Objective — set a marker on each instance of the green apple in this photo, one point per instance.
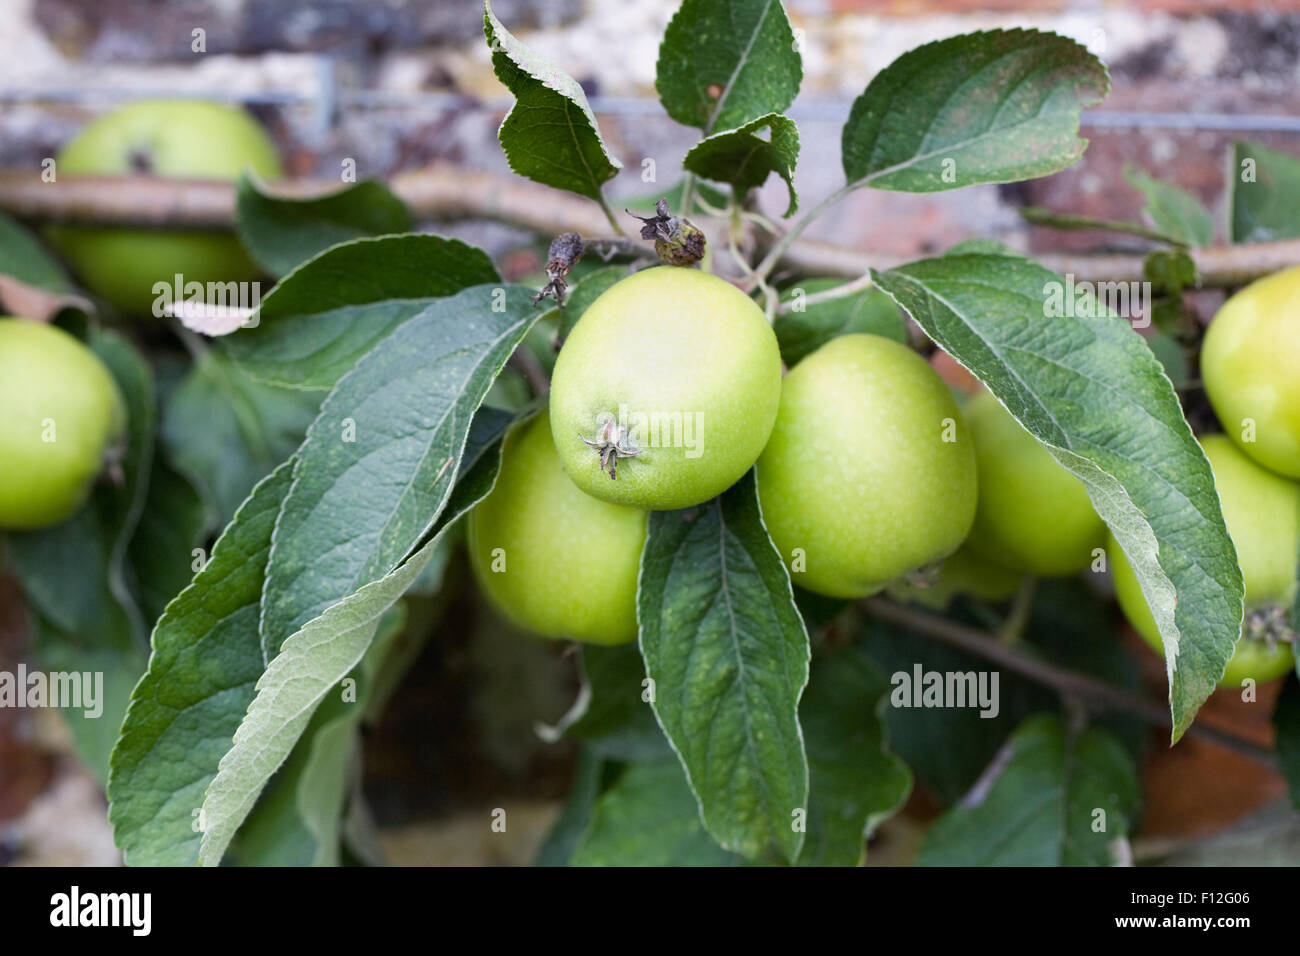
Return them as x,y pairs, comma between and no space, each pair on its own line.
177,138
60,411
1250,362
552,558
1262,512
870,472
1033,515
666,390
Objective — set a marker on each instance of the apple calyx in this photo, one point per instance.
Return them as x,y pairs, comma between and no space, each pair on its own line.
611,442
1269,623
140,160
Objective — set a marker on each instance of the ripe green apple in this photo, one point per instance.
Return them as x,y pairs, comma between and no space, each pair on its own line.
1262,512
1250,361
177,138
666,390
1033,515
552,558
60,410
870,472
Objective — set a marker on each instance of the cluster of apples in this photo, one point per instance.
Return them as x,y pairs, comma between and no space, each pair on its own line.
667,391
869,471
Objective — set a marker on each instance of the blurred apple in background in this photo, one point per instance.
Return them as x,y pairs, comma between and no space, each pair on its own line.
172,138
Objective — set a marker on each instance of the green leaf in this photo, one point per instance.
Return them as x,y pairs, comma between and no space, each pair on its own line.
1176,213
162,551
1039,804
1286,718
332,310
298,819
745,159
23,257
558,847
207,655
649,818
990,107
1091,391
313,661
725,63
1263,194
855,782
1169,271
120,506
728,654
1073,626
1038,216
109,663
378,464
946,747
550,134
618,723
806,328
280,233
1169,351
226,431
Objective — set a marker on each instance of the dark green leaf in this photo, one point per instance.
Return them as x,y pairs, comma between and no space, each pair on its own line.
550,135
311,663
946,747
1263,194
1073,627
378,464
1287,720
109,664
23,257
1174,212
281,233
1092,392
991,107
162,551
855,782
744,158
618,723
1047,800
226,431
1056,220
1169,351
724,63
558,847
1169,272
728,654
806,328
330,311
207,656
649,818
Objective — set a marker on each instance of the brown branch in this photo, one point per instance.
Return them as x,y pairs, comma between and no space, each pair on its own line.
443,191
1065,682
